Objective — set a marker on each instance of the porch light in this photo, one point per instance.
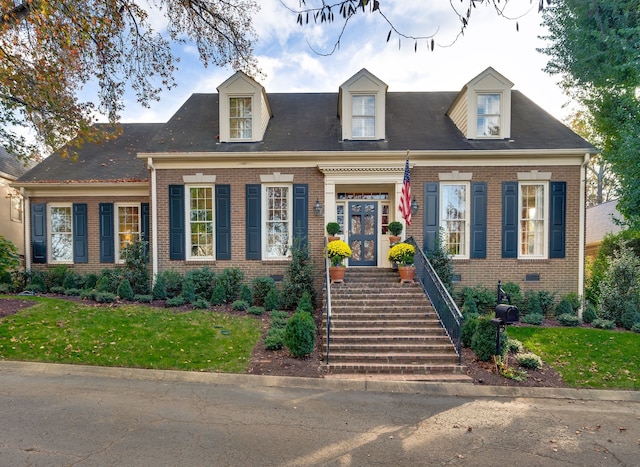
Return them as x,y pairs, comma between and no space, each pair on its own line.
414,206
317,208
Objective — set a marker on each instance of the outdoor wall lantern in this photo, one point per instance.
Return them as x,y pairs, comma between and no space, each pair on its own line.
414,206
317,208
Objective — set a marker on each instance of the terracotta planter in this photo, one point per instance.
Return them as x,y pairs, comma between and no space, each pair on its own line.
330,238
337,274
393,239
407,273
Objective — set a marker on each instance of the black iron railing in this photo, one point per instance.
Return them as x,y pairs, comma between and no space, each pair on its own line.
445,307
327,303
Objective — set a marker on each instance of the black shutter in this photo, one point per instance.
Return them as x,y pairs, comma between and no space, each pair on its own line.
301,213
509,219
478,220
80,235
107,236
223,221
176,222
557,219
145,233
39,233
431,216
253,227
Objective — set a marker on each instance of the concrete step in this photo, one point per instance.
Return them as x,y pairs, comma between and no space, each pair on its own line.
400,368
423,358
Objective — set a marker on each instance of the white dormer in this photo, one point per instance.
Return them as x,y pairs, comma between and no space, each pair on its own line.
482,109
244,109
361,107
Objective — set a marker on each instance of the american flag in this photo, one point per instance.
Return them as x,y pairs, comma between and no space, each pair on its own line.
405,197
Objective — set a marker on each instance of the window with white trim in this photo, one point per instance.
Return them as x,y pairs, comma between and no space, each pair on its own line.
127,227
454,218
60,233
363,116
277,218
488,116
240,118
200,222
17,207
532,225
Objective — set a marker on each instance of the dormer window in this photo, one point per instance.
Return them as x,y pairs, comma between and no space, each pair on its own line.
488,121
240,121
363,115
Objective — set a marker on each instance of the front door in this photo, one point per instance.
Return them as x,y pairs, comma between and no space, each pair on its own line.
363,233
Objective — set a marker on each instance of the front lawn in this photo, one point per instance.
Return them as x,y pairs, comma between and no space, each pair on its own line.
586,357
136,336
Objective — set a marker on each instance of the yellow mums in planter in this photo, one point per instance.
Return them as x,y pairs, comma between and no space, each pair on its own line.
337,251
402,253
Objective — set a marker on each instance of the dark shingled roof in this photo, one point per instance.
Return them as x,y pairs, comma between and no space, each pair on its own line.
10,165
113,160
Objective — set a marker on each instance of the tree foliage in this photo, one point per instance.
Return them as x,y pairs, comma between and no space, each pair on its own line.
51,49
594,48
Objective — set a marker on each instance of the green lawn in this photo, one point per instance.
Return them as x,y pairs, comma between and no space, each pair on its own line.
61,331
585,357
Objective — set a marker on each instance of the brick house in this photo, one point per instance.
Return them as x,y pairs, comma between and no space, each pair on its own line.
234,176
11,203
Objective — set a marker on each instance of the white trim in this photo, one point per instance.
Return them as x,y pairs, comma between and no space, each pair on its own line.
263,227
116,227
545,220
187,220
154,220
199,178
50,206
455,175
581,229
534,175
467,220
276,177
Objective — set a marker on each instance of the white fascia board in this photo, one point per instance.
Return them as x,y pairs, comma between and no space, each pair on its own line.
84,189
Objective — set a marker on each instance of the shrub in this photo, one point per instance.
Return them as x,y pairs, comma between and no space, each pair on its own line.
532,318
88,294
105,297
9,258
483,297
469,307
219,296
274,340
54,277
603,324
531,303
483,342
201,304
547,302
239,305
630,316
143,298
442,263
72,292
108,281
300,334
261,287
569,319
73,280
620,286
231,280
245,293
272,301
574,299
469,327
513,346
564,308
278,319
298,276
175,301
159,292
204,281
172,283
304,305
136,265
188,291
529,360
57,289
636,328
36,283
90,281
513,290
125,291
589,314
256,310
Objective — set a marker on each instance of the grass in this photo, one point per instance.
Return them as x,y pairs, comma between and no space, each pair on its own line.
61,331
585,357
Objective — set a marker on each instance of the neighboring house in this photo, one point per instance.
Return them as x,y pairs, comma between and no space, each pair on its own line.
234,176
600,221
11,202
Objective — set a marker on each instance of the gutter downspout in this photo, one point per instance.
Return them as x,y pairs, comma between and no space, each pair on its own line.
154,223
582,227
27,230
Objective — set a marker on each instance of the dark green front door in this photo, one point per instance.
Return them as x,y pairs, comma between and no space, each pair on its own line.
363,233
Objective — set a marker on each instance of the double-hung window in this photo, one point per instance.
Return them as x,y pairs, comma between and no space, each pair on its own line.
127,227
363,116
240,118
454,218
200,215
532,203
277,219
60,233
488,117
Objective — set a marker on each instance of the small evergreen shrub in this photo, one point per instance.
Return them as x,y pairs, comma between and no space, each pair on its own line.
304,305
231,280
442,262
274,340
54,277
547,302
105,297
72,280
136,265
529,360
201,304
57,289
483,297
172,282
261,287
36,283
564,308
88,294
72,292
219,296
278,319
483,342
589,314
469,308
636,328
513,290
90,281
108,281
300,334
175,301
272,300
568,319
256,310
514,346
125,291
531,304
574,299
159,292
188,291
143,298
239,305
603,324
299,276
534,319
245,293
630,315
469,327
204,281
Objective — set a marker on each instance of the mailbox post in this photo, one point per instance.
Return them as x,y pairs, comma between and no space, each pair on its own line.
506,314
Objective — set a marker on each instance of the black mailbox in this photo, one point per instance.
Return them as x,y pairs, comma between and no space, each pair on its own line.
509,314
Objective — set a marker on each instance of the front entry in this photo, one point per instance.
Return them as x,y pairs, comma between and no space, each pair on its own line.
363,234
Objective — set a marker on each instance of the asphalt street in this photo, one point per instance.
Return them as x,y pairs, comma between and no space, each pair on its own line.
63,415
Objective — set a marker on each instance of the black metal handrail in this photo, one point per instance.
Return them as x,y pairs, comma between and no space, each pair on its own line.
445,307
327,279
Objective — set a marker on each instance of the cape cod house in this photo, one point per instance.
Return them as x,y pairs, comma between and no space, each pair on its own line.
234,176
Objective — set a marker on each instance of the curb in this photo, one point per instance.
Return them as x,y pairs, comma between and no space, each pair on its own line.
403,387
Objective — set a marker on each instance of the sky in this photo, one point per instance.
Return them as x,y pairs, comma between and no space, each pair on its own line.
285,54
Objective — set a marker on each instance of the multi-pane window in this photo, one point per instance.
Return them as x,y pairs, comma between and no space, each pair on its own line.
200,214
278,221
532,219
488,123
127,227
454,218
363,118
61,233
16,208
240,118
